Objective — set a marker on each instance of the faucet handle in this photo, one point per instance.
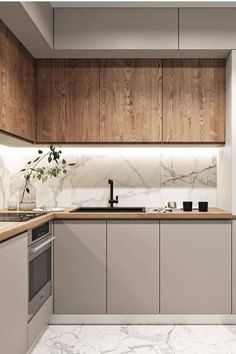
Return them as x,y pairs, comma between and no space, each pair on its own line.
116,200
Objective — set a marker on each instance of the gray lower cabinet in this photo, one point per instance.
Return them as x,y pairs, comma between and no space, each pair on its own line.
132,267
14,295
80,267
39,322
234,266
195,267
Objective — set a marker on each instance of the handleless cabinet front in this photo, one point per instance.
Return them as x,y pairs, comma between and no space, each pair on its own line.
13,295
80,267
132,267
234,266
195,267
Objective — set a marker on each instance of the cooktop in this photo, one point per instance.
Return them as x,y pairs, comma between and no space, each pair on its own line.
18,217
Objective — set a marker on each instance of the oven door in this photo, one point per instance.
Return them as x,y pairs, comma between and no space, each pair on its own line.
40,274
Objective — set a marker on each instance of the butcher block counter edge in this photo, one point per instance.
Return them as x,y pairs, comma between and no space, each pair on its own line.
12,229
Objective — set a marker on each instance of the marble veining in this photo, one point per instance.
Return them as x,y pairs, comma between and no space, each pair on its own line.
146,176
138,339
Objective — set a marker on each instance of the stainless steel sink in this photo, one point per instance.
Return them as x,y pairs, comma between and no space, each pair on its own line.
109,210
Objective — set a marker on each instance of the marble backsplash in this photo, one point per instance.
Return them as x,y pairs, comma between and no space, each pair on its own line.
143,176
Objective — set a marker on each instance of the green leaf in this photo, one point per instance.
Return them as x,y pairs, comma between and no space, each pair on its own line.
28,163
36,159
72,164
44,178
40,170
49,158
54,172
64,161
40,151
27,190
23,169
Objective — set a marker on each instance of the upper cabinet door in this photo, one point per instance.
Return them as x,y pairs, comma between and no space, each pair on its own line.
107,30
68,100
17,87
207,28
193,100
131,101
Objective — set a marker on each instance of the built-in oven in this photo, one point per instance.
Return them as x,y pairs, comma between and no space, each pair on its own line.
40,247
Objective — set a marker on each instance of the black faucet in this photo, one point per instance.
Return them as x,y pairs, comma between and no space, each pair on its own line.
111,200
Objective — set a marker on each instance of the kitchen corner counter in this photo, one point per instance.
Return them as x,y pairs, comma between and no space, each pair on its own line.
12,229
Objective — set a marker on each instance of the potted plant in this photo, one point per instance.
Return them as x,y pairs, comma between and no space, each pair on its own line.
56,165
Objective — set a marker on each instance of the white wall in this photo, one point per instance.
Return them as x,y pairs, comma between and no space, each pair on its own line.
41,14
233,136
226,184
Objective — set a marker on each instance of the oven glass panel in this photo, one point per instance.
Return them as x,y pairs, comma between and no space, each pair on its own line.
39,272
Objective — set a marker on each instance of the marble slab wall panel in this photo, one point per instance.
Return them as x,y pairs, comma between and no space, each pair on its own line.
143,176
191,175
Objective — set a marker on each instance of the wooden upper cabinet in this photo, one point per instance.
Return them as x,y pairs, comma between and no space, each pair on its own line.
67,100
131,101
193,100
17,87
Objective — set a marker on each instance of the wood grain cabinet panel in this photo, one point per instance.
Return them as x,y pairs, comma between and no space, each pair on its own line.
193,100
68,100
17,87
131,101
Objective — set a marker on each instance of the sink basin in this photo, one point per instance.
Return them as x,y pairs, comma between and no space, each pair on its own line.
109,210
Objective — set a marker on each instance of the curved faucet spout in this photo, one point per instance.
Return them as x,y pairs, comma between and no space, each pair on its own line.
111,200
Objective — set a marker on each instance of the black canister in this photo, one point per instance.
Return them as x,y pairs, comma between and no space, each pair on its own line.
187,206
203,206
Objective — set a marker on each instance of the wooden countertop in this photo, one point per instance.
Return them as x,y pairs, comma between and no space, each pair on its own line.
11,229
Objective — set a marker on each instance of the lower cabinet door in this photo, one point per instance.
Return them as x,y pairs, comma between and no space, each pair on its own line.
234,266
132,267
14,295
80,267
195,267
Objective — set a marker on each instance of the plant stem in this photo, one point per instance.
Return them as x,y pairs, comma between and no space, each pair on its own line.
28,180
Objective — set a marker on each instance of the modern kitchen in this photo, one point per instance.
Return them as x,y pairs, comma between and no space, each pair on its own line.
118,177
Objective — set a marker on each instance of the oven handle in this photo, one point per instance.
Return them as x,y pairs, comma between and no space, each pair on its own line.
37,248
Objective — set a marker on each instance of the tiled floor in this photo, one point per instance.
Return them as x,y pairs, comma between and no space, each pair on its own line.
148,339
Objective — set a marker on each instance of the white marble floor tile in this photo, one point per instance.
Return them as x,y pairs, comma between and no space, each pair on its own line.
79,340
137,339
